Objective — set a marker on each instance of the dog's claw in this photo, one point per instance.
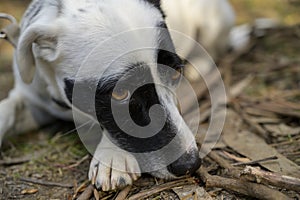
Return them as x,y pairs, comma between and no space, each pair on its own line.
111,170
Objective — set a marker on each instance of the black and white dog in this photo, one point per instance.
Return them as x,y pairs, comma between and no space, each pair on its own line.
57,36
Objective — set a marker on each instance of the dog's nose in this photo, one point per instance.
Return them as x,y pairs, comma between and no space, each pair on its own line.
188,163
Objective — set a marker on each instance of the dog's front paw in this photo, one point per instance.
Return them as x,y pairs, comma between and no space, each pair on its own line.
113,169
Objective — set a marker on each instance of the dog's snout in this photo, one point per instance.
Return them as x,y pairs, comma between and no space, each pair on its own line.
188,163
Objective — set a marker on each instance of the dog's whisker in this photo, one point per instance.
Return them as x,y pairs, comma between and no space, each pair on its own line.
76,128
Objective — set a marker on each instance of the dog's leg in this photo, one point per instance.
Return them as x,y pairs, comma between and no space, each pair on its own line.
16,115
112,167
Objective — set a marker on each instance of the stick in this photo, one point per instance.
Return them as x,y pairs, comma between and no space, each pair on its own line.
24,159
15,161
230,170
46,183
269,178
255,161
246,188
77,163
81,188
256,127
123,194
159,188
88,192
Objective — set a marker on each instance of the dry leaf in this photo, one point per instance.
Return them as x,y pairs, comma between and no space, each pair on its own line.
29,191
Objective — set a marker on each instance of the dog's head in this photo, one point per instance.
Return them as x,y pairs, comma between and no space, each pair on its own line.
127,55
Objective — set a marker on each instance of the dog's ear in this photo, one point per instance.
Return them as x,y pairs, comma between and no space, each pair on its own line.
42,39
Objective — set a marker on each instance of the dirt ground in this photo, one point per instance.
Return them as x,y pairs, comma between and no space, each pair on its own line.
262,129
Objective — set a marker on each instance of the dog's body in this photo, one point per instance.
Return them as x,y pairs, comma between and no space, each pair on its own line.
58,35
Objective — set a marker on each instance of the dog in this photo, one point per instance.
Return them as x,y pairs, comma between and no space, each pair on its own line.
56,38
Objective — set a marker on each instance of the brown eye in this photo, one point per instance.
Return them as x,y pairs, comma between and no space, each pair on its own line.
177,74
120,94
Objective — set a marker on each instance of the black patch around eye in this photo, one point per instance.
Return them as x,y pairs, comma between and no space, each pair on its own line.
69,86
142,99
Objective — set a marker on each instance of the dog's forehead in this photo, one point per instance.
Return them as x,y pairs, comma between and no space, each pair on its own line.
108,36
113,15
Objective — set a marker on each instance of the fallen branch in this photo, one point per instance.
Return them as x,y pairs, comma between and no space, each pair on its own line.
246,188
46,183
269,178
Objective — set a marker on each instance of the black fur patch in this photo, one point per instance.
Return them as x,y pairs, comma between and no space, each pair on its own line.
140,103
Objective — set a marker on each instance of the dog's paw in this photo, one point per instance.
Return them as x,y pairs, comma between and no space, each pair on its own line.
111,169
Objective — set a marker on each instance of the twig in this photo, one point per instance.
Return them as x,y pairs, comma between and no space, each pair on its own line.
269,178
46,183
230,170
246,188
81,188
24,159
159,188
255,161
15,161
291,141
256,127
77,163
88,192
123,194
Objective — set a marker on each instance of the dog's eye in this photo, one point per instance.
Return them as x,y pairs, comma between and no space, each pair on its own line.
177,74
120,94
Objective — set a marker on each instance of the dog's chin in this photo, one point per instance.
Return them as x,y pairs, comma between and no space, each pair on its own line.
163,174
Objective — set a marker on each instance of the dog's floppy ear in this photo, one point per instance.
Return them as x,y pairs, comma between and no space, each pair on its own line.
44,39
